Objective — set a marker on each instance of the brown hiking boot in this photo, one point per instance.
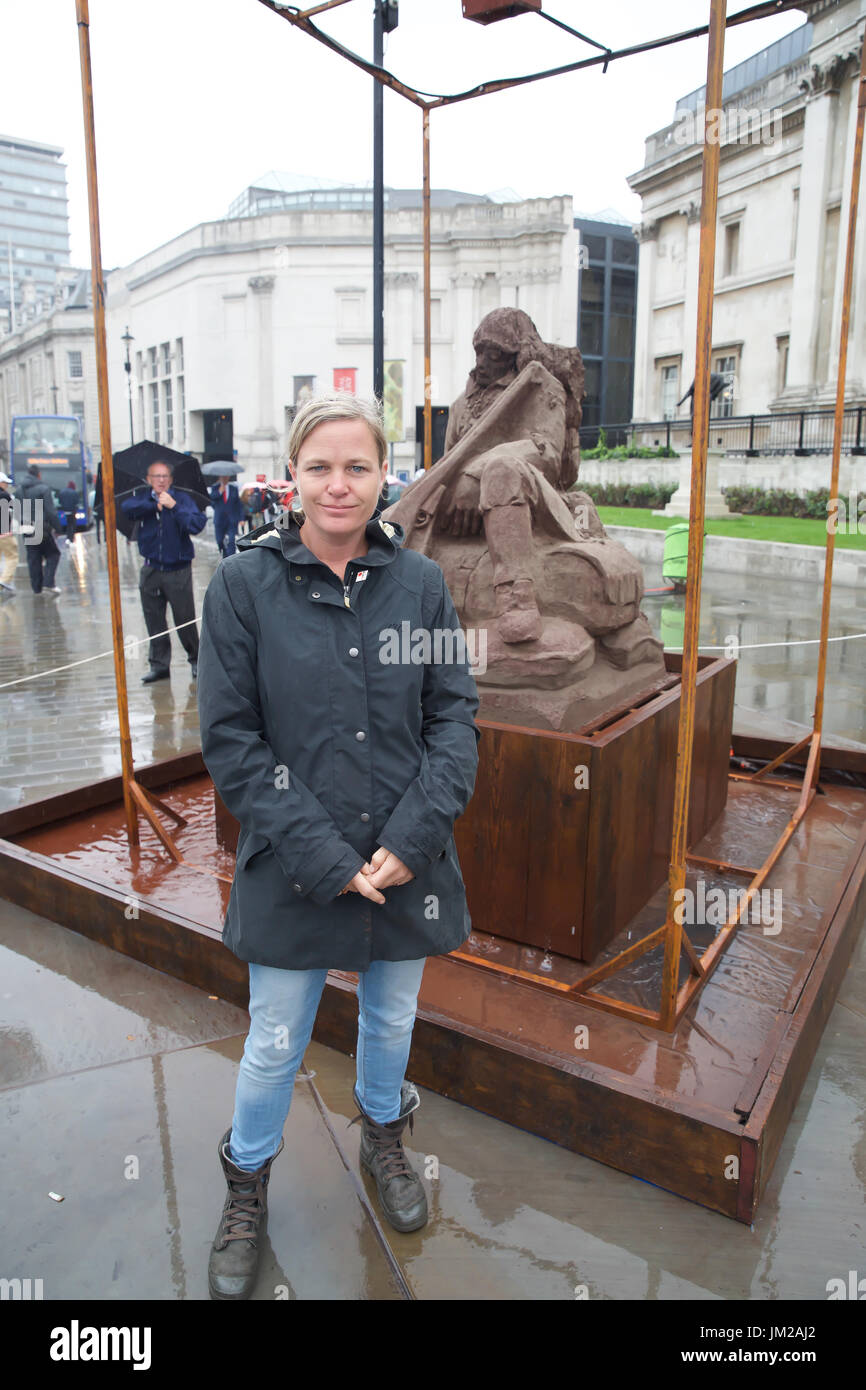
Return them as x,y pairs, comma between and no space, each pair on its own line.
234,1256
401,1193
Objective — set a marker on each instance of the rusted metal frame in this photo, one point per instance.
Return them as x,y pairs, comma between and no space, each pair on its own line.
777,762
300,21
141,801
141,797
319,9
812,771
716,948
428,349
724,864
700,440
773,781
610,967
382,75
761,11
163,806
134,798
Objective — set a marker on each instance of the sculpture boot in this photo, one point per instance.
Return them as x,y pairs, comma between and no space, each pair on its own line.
401,1193
517,615
234,1256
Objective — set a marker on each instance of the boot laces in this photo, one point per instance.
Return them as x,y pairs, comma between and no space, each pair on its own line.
242,1210
389,1145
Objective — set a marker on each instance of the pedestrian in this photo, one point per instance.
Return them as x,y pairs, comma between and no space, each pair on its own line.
228,511
39,519
346,775
8,543
168,519
68,503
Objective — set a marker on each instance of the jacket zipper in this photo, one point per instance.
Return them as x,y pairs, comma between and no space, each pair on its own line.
347,587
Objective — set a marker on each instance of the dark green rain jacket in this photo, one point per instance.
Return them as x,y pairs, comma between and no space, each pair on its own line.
324,747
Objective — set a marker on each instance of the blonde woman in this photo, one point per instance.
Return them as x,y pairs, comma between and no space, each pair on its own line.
346,759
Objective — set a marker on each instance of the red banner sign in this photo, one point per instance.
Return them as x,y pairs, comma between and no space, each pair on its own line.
344,378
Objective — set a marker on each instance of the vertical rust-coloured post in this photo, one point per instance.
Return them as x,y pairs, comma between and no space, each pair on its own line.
428,403
83,21
700,437
838,426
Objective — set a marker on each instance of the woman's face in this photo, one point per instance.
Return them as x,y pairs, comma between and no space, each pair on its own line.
339,477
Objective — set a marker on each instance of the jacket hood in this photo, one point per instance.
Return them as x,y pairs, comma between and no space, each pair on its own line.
384,539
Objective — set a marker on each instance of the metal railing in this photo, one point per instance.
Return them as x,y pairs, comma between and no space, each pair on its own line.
800,432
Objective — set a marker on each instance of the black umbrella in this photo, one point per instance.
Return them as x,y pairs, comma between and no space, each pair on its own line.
130,472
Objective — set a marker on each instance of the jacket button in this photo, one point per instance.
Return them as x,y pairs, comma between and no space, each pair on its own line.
365,815
315,594
360,736
297,887
353,651
297,579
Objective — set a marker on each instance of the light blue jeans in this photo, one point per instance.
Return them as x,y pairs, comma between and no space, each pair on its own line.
283,1007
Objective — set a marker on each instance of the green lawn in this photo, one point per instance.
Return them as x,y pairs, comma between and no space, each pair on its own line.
790,529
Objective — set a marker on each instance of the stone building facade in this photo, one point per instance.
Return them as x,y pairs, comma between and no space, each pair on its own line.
787,138
48,366
235,319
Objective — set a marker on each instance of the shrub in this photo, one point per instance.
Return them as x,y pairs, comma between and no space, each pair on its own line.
758,501
626,451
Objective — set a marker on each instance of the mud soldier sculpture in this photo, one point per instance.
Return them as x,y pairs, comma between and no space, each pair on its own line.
527,561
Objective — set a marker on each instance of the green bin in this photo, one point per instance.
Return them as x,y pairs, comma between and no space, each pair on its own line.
675,560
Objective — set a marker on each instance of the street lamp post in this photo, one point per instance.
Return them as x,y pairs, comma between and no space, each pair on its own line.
385,17
128,338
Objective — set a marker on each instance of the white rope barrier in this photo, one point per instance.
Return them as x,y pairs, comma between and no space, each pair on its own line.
129,642
139,642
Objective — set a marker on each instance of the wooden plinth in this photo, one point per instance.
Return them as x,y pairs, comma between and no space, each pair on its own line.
661,1107
568,835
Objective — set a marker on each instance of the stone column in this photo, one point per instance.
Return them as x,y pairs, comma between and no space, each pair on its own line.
265,442
690,303
404,292
643,407
465,284
847,111
508,286
814,178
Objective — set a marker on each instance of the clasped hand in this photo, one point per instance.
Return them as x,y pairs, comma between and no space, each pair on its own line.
384,870
165,499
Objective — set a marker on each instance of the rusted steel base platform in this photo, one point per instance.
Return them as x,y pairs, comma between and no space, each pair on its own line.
700,1112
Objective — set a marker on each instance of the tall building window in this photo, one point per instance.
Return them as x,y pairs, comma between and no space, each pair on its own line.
76,365
151,357
732,248
77,408
142,423
795,217
725,365
178,354
169,413
181,410
669,381
166,359
782,345
154,406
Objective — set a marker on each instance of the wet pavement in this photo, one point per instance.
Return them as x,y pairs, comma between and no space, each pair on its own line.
60,731
116,1081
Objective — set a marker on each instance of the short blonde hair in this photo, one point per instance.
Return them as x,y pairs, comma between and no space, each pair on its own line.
342,405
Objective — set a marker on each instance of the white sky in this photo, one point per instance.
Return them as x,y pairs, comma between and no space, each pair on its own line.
195,99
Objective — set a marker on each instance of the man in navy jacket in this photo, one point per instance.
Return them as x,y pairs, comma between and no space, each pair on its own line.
228,512
167,520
